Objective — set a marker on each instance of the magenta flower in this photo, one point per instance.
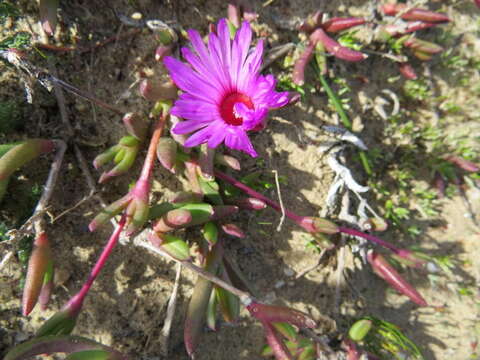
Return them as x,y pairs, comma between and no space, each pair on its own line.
223,94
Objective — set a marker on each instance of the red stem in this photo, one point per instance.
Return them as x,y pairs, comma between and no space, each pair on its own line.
77,300
249,191
372,238
300,220
152,148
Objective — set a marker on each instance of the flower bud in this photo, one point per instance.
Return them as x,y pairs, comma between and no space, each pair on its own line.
375,224
316,224
22,153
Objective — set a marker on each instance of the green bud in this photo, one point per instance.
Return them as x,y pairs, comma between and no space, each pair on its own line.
359,329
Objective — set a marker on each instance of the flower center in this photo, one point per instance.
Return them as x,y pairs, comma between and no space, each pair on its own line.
227,110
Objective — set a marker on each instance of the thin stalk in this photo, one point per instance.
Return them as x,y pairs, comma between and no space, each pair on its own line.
249,191
107,250
344,117
244,297
152,148
371,238
299,219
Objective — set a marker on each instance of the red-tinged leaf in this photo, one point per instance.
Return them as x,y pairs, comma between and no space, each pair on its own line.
233,230
273,313
135,125
422,45
417,26
279,349
172,220
477,2
37,267
386,271
162,51
407,71
248,203
212,311
48,15
58,344
155,91
227,160
228,303
198,305
414,14
335,48
462,163
47,287
298,75
423,56
22,153
337,24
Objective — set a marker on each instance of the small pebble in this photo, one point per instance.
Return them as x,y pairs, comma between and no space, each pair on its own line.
288,272
279,284
137,16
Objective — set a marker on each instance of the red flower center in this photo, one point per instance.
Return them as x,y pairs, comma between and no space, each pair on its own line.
227,111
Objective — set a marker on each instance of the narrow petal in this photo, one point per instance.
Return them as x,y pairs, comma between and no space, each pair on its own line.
251,67
188,80
225,42
204,72
216,57
240,47
199,137
237,139
185,127
218,135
